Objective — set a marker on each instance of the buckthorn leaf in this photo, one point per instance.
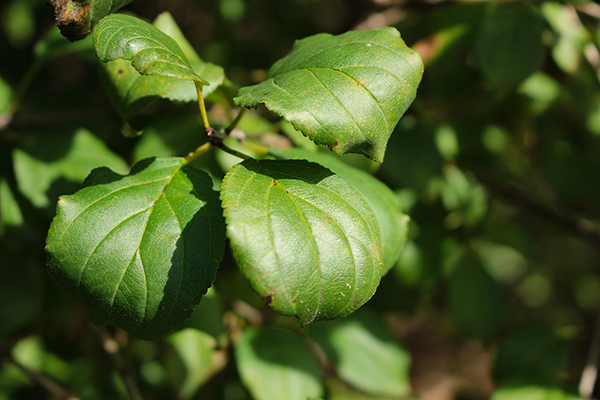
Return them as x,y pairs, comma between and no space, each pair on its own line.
139,251
346,92
151,51
393,224
277,364
307,240
129,91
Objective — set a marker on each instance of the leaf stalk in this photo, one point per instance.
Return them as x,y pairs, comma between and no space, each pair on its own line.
201,105
198,152
236,121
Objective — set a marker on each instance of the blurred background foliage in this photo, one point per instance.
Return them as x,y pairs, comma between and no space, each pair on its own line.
496,293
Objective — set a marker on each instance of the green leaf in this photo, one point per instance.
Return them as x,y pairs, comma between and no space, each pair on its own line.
365,354
77,18
276,364
509,46
477,302
151,51
10,212
129,91
46,160
531,392
307,240
200,358
346,92
572,36
139,251
393,224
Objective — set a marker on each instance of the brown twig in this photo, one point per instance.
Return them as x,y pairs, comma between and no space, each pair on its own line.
113,349
48,384
579,227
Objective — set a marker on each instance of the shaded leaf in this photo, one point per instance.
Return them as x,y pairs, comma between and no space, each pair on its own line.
77,18
139,251
307,240
346,92
276,364
509,46
393,224
198,353
151,51
129,91
10,212
79,154
365,354
537,354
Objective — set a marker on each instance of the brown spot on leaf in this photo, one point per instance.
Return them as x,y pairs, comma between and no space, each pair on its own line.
120,71
73,17
268,299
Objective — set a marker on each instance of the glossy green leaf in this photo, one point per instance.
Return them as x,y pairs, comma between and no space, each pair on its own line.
77,18
277,364
307,240
130,91
477,302
151,51
139,251
37,168
365,354
393,224
531,392
509,46
346,92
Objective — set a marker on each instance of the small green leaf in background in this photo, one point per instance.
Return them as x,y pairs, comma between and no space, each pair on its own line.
199,359
365,354
531,392
346,92
572,35
139,251
36,168
18,22
393,224
537,354
5,97
276,364
10,212
129,91
77,18
477,303
151,51
307,240
509,46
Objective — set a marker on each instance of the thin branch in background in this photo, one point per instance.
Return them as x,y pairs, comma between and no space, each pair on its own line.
113,349
589,375
48,384
580,227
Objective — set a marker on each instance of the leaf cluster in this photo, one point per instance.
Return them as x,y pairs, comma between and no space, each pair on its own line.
495,288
